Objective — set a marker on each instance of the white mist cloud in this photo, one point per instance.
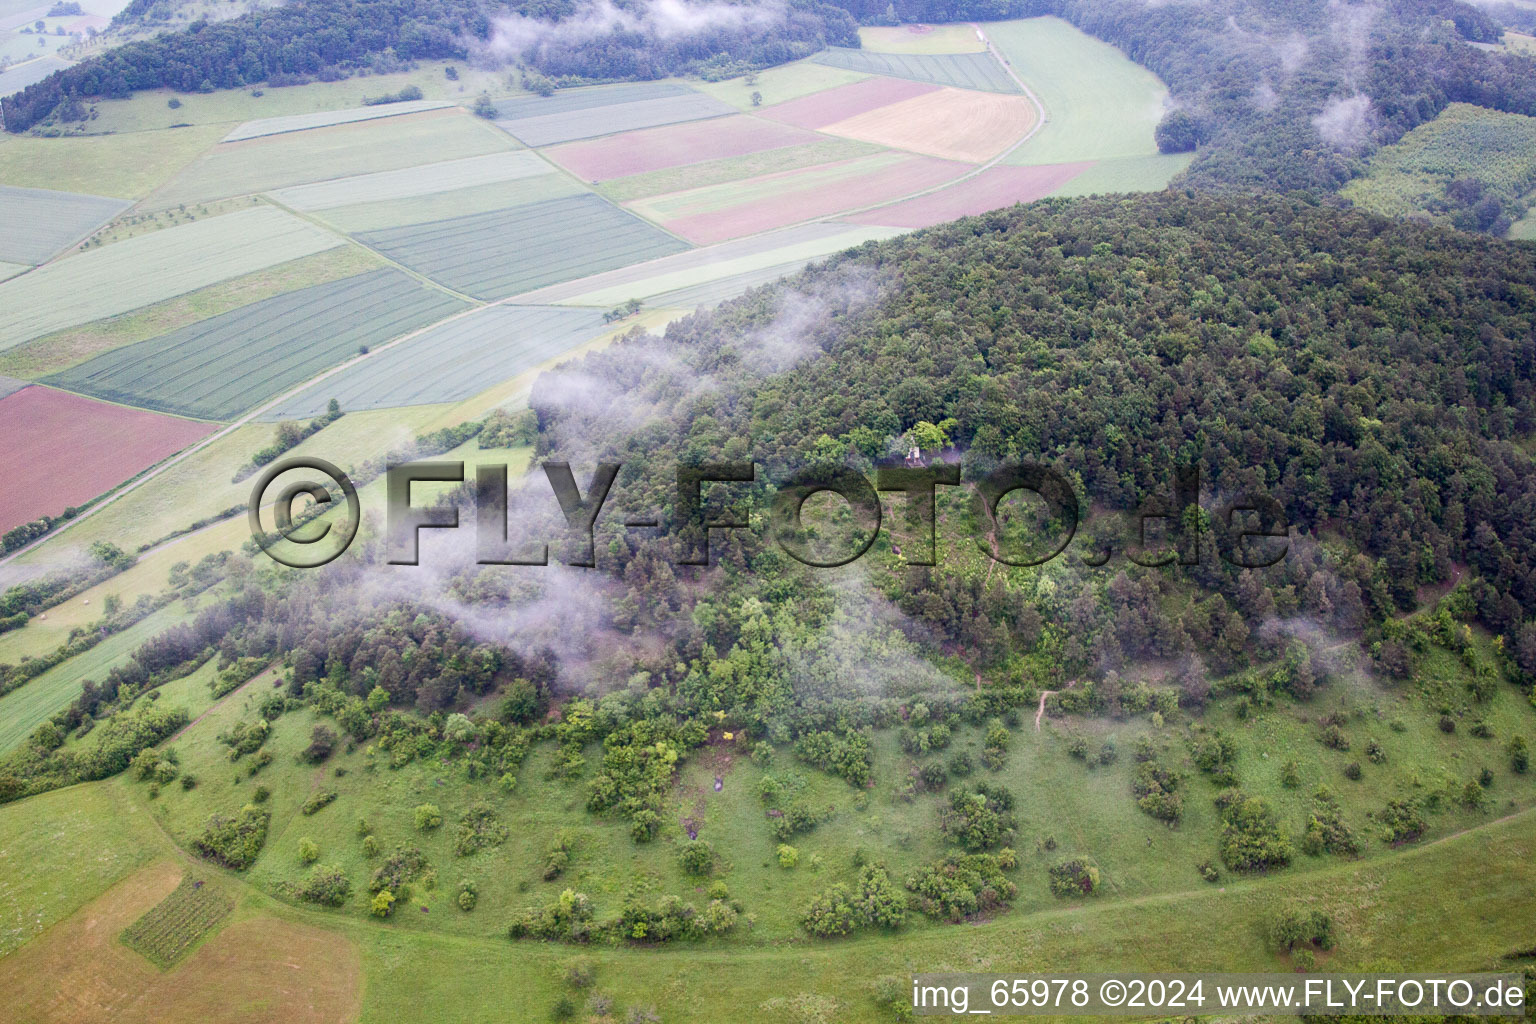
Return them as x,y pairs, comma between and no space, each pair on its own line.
515,35
1345,122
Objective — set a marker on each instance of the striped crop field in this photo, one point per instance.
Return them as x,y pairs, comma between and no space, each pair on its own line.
462,202
961,70
168,930
222,367
70,449
454,361
496,255
151,268
734,168
325,119
714,214
320,154
588,113
408,182
655,149
40,222
20,76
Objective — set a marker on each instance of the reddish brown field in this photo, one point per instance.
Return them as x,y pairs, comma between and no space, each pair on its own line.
62,450
789,204
954,124
989,190
823,108
655,149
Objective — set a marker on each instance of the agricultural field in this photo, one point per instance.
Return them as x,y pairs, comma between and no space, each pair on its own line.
779,84
952,124
170,929
74,449
329,118
819,109
19,76
224,366
935,39
39,223
656,149
604,110
708,265
410,182
495,255
722,212
321,154
729,169
1409,178
1098,104
495,197
992,188
152,268
122,166
11,385
960,70
1125,174
451,362
62,349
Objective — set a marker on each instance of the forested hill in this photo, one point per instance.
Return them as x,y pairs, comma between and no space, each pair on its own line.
1377,379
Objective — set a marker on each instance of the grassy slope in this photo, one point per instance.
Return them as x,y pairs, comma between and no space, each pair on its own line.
123,166
1099,105
958,38
25,709
779,84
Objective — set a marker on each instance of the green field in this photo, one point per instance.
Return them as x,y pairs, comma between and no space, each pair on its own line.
492,256
1464,142
451,362
124,166
300,158
1127,174
224,366
152,268
38,222
780,84
1098,104
960,70
938,39
25,709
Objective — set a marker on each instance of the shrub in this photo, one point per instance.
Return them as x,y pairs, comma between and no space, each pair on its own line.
1208,872
1251,838
317,801
1292,927
400,868
788,856
696,857
1353,771
309,851
321,742
564,1009
477,830
872,902
961,765
234,842
1519,756
847,756
1290,775
1335,738
326,885
428,817
933,775
261,795
1447,724
382,904
189,781
978,819
1401,822
580,974
963,885
370,847
1076,877
1326,830
1155,788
